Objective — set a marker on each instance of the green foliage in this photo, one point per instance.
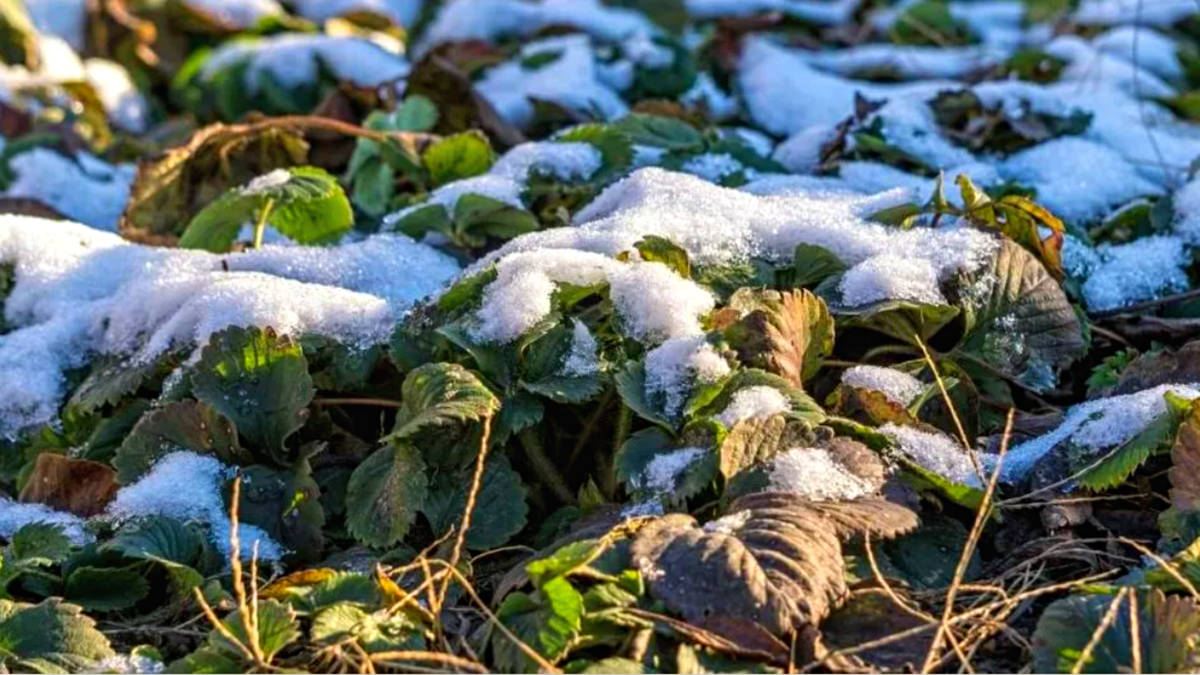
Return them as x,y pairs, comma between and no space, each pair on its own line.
385,493
547,621
51,635
457,157
305,204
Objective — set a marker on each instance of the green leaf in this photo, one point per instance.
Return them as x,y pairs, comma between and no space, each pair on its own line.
182,425
927,558
547,621
304,203
1167,626
260,381
500,509
286,504
929,23
416,113
52,631
106,589
457,157
642,464
1154,439
40,544
384,494
660,249
784,333
543,365
616,149
166,541
440,395
813,264
277,628
477,217
377,632
923,479
631,385
661,132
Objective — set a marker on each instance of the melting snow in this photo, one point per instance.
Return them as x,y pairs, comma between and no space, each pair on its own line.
815,474
15,515
1143,269
899,387
83,188
753,402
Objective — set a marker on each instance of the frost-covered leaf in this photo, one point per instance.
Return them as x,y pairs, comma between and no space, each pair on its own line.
106,589
303,203
1020,321
259,381
111,381
441,395
171,188
786,333
1004,128
561,366
385,493
181,425
653,464
1114,470
457,157
775,559
547,621
500,509
1167,626
52,631
759,439
616,149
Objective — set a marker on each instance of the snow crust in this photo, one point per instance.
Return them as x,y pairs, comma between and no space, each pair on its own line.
815,474
899,387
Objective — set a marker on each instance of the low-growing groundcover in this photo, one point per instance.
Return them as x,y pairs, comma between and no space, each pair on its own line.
599,336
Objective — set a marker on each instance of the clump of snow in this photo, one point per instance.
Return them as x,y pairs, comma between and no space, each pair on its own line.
654,303
909,62
1097,425
661,474
401,12
187,487
674,366
899,387
490,20
15,515
572,80
801,152
1161,13
820,12
1186,206
1143,46
129,663
705,94
815,474
753,402
297,59
641,49
1142,269
890,277
729,524
581,359
565,161
937,452
81,292
122,101
712,167
266,182
82,188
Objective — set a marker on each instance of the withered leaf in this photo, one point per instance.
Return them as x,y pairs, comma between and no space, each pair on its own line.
781,566
786,333
77,486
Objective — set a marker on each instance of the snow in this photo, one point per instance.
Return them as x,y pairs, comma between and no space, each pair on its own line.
905,61
565,161
581,360
1186,207
752,403
676,365
237,13
712,167
187,487
705,94
1079,180
899,387
653,302
1160,13
15,515
729,524
125,105
641,49
801,152
66,19
294,60
571,80
266,182
85,189
1143,269
1143,46
821,12
490,20
813,473
890,277
80,292
1097,426
936,452
661,474
129,663
401,12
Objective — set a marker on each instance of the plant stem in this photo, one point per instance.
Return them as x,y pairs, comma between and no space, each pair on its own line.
261,226
544,468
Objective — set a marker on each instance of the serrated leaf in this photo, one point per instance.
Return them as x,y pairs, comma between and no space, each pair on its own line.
182,425
377,632
77,486
384,495
781,567
784,333
286,504
927,558
500,509
1167,626
457,157
106,589
260,381
416,113
657,131
477,217
654,248
616,149
652,464
276,624
547,621
1114,470
440,395
759,439
164,540
1020,321
51,631
813,264
39,544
